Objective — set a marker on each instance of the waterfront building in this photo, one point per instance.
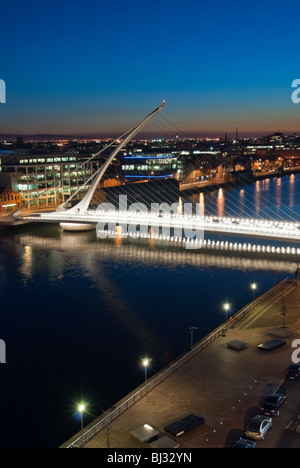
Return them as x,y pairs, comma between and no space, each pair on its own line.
9,200
146,166
46,179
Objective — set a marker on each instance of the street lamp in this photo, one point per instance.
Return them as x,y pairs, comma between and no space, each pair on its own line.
192,329
81,409
253,287
146,363
226,308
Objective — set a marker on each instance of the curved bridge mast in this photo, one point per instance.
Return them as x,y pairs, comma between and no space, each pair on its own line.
83,205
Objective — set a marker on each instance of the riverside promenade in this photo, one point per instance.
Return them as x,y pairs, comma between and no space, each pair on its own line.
223,385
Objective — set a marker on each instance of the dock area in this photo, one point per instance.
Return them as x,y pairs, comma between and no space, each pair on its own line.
223,384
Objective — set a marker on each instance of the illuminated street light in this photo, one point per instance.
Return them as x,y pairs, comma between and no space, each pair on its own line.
253,287
81,409
146,363
226,308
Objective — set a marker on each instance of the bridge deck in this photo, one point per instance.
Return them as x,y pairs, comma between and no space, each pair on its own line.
283,231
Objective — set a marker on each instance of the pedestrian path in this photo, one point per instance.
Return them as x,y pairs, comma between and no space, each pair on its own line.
222,385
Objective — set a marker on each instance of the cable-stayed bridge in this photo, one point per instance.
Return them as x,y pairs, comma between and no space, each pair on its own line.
163,222
192,226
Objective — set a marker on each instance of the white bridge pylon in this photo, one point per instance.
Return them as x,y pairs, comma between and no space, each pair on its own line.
83,205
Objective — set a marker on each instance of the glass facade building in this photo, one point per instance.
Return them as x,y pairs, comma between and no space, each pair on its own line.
46,180
152,166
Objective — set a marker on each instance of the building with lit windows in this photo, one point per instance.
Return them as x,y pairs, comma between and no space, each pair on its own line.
152,166
9,200
46,179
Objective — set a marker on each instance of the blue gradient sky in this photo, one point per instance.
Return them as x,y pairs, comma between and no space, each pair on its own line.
98,67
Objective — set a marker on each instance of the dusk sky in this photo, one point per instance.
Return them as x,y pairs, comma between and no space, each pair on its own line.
97,68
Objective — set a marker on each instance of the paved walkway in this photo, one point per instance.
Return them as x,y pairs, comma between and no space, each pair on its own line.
224,386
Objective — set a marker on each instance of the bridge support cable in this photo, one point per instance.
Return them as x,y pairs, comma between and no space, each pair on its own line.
84,163
263,214
83,205
251,202
149,195
58,183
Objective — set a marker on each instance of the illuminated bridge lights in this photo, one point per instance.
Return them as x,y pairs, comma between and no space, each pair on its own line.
209,243
259,228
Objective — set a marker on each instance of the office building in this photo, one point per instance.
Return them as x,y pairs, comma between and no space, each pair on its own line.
45,179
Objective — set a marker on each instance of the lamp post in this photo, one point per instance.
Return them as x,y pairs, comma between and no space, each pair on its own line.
226,308
253,287
145,363
283,314
81,409
192,329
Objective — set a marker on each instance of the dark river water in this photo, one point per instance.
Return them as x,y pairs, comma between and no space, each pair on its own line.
78,314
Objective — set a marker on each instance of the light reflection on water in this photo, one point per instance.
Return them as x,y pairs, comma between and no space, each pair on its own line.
266,199
79,313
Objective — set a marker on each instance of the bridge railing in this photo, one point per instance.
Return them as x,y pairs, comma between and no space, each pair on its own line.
251,227
105,420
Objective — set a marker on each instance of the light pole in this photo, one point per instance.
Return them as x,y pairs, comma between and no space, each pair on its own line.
253,287
226,308
283,314
145,363
192,329
81,409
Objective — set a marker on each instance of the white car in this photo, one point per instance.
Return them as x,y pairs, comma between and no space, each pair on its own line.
258,427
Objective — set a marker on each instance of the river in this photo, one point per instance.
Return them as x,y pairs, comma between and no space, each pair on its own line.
78,314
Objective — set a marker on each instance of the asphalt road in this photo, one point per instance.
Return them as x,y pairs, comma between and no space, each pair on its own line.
285,432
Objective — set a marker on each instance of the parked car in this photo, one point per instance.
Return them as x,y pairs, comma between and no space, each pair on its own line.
273,404
244,443
293,372
258,427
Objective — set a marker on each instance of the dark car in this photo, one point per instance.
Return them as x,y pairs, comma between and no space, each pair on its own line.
272,404
244,443
293,372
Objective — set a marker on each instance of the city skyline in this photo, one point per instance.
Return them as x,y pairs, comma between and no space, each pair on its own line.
8,139
98,68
